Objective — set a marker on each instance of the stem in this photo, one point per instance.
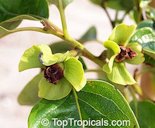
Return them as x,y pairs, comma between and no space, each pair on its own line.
137,2
123,17
108,15
90,56
63,18
72,41
77,104
48,25
59,34
116,16
37,29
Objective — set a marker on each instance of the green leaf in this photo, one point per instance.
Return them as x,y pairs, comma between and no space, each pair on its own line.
135,15
51,91
31,57
90,34
15,21
149,60
146,23
117,5
60,47
145,37
122,33
120,75
98,100
74,73
65,2
4,32
98,2
10,9
29,95
83,63
10,24
120,5
145,111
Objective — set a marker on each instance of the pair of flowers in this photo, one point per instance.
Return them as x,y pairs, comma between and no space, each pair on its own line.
62,72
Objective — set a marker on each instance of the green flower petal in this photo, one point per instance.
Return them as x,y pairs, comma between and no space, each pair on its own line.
48,60
54,58
122,33
112,45
74,73
51,91
140,57
108,67
114,50
30,58
120,75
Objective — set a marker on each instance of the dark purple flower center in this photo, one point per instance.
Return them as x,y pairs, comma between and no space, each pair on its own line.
126,53
53,73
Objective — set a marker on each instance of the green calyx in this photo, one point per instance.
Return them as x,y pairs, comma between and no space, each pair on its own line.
60,71
120,51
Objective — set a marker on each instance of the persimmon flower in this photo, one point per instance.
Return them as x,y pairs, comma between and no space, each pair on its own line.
60,72
119,51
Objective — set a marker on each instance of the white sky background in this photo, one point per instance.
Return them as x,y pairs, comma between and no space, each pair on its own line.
81,15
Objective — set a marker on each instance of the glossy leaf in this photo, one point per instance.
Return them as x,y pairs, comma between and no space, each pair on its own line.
10,9
145,37
74,73
31,57
29,94
145,111
98,100
122,33
149,60
120,75
65,2
146,23
51,91
89,35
